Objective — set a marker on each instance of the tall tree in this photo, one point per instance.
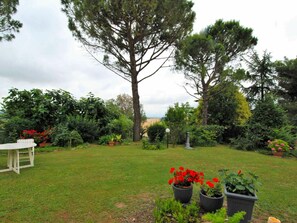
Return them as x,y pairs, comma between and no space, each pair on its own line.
287,76
203,57
261,76
8,25
132,34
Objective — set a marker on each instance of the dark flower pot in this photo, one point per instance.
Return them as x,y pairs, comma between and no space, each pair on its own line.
239,202
182,194
210,204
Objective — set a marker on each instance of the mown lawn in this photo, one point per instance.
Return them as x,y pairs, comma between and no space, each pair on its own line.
103,184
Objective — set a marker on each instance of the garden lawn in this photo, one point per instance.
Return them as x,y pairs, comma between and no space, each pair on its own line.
107,184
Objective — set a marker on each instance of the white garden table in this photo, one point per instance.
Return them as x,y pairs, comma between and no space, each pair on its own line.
14,151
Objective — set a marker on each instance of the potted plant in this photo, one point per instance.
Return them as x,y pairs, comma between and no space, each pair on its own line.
278,147
182,183
111,140
240,190
118,139
211,195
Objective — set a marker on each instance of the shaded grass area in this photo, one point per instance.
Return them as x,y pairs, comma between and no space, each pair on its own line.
102,184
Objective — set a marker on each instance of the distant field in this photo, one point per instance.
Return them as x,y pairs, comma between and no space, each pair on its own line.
150,121
113,184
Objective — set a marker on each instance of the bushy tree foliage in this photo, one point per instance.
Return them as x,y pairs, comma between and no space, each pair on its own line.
287,76
260,75
266,117
43,109
227,106
34,109
131,35
268,113
203,57
8,26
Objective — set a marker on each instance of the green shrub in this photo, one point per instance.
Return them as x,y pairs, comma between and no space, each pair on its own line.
122,126
87,128
255,137
14,127
208,135
220,216
103,140
75,139
156,132
232,132
146,145
268,114
287,133
170,210
63,137
217,130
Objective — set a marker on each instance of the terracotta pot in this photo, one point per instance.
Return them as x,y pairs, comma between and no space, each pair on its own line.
278,154
111,143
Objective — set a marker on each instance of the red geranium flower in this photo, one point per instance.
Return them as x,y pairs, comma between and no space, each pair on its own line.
185,177
210,184
216,180
212,188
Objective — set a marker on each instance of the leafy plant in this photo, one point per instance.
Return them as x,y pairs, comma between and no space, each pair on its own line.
75,139
63,137
220,216
279,145
239,183
146,145
202,137
103,140
118,138
212,188
185,177
172,211
287,133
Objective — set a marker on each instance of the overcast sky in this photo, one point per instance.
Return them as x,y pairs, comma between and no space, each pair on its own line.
44,54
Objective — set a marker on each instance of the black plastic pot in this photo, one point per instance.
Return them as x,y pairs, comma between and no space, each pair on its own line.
183,194
211,204
239,202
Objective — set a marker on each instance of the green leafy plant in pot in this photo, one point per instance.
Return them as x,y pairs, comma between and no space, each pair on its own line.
211,195
240,190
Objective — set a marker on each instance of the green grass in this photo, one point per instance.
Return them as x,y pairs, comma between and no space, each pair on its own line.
101,184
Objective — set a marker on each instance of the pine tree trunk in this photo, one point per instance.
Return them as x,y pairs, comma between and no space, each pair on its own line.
136,109
204,108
